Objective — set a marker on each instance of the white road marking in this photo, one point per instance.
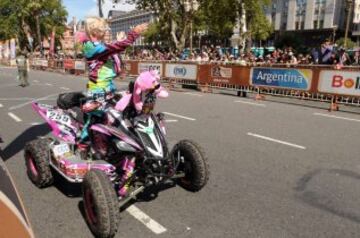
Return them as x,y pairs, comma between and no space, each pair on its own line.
179,116
277,141
35,123
64,88
13,116
146,220
251,103
171,121
8,85
336,117
36,81
29,102
48,84
1,105
15,99
194,94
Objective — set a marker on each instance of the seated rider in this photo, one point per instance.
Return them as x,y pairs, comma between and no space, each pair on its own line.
103,64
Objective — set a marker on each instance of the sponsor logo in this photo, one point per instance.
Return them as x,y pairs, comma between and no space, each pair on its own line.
284,78
339,81
179,71
218,71
149,67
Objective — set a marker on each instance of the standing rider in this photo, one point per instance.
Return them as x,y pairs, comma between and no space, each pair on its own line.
104,65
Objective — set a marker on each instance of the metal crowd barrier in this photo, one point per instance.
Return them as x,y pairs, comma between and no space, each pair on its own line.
322,83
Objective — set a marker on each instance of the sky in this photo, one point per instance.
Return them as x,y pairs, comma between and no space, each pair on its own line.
83,8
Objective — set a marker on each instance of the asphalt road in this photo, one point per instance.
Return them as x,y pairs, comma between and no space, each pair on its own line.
278,170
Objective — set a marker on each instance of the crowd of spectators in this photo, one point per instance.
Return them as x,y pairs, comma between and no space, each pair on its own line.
327,54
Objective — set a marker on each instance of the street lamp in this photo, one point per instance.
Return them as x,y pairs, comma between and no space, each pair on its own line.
334,33
349,5
191,6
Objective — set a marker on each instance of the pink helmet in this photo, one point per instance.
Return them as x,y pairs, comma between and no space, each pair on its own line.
148,80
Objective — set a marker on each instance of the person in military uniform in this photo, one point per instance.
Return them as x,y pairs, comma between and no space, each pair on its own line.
23,68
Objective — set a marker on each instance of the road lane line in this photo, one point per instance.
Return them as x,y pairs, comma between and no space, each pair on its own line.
13,116
146,220
1,105
171,120
36,81
277,141
29,102
336,117
36,123
179,116
48,84
194,94
15,99
251,103
64,88
8,85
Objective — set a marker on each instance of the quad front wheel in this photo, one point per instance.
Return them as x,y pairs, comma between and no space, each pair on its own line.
193,163
101,204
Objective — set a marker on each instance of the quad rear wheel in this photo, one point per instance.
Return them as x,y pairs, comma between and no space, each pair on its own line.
37,158
193,163
101,204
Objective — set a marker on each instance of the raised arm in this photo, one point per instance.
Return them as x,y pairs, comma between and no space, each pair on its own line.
103,51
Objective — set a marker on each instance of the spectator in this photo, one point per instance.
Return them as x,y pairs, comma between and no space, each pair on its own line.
344,58
326,52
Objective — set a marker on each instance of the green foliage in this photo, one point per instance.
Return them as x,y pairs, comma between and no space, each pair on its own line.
257,24
350,44
220,17
37,18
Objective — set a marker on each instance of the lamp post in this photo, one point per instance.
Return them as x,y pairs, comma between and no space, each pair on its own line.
191,6
334,33
349,5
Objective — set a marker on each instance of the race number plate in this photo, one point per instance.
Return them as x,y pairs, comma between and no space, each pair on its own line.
59,117
61,150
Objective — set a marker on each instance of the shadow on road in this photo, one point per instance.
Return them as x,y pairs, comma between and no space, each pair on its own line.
65,187
19,142
334,191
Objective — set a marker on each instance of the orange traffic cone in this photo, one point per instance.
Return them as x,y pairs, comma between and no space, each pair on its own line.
334,106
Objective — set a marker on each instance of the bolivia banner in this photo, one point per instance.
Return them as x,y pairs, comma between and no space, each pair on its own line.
340,82
282,78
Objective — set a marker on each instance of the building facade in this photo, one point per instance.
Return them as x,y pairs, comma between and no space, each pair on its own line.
312,20
122,22
290,15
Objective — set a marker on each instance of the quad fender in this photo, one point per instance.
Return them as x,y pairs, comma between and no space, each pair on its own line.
112,131
99,128
56,130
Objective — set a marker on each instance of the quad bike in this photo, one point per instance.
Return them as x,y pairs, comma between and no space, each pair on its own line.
128,153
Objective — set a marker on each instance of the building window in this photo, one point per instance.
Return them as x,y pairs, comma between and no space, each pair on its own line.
297,25
302,25
321,24
315,24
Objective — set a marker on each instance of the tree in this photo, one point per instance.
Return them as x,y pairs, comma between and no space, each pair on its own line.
36,19
176,17
350,44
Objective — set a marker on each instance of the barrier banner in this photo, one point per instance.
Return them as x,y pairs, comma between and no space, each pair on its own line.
218,71
150,66
44,63
80,65
299,79
340,82
181,71
69,64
